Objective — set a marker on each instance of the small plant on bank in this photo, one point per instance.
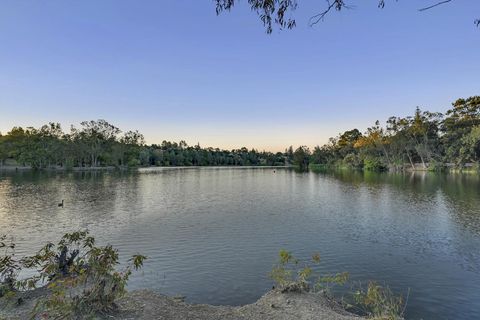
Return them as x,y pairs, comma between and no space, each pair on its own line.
9,267
376,301
80,277
291,274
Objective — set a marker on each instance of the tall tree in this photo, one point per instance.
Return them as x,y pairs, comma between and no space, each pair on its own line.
461,118
301,157
470,149
95,138
423,131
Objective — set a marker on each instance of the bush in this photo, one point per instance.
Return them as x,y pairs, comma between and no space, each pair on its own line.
476,167
353,160
81,277
291,274
9,266
374,164
379,302
436,166
376,302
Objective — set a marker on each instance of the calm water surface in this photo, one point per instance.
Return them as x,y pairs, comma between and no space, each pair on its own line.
212,234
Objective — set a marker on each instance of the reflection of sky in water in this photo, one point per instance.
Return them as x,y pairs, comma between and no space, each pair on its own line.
213,234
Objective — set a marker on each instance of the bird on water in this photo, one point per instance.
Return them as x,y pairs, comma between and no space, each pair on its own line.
61,204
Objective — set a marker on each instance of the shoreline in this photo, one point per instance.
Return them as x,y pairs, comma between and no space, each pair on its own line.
446,169
149,305
111,168
313,167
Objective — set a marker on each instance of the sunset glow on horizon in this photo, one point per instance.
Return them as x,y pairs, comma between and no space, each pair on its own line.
220,80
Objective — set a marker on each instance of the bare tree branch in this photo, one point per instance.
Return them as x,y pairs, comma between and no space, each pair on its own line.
318,17
336,4
280,12
434,5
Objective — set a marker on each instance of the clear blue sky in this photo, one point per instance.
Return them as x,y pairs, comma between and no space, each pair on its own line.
174,70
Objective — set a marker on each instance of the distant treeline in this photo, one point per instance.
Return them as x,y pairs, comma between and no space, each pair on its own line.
430,140
100,144
425,140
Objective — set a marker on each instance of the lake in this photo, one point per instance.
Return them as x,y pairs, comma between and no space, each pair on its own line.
213,234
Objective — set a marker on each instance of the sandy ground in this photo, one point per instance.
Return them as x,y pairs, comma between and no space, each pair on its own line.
147,305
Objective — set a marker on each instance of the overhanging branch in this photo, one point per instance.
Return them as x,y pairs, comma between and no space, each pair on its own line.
434,5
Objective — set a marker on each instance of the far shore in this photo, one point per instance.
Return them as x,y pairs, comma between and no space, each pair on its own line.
418,167
112,168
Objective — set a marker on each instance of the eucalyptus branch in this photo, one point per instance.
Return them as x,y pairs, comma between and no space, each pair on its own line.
434,5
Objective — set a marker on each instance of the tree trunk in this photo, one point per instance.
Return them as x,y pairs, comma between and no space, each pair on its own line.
410,159
423,162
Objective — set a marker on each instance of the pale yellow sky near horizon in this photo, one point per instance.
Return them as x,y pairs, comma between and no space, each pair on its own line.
272,138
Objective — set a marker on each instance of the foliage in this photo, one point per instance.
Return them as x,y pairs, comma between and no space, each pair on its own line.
301,157
9,266
373,164
271,12
436,166
95,143
99,143
181,154
80,276
292,274
280,12
429,139
470,145
376,302
425,139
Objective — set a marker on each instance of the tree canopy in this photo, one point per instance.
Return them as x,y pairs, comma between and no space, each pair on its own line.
427,139
97,143
430,139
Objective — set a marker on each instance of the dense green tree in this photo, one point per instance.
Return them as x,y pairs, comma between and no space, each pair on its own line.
423,131
373,146
3,149
301,157
470,146
459,121
400,144
322,155
96,138
427,138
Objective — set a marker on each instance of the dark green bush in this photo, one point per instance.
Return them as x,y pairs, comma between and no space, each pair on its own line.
374,164
81,278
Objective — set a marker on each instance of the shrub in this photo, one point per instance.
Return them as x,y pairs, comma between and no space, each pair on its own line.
291,274
436,166
374,164
81,277
9,266
353,160
376,302
379,302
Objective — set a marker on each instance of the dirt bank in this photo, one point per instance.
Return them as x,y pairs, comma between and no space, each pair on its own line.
147,305
273,305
